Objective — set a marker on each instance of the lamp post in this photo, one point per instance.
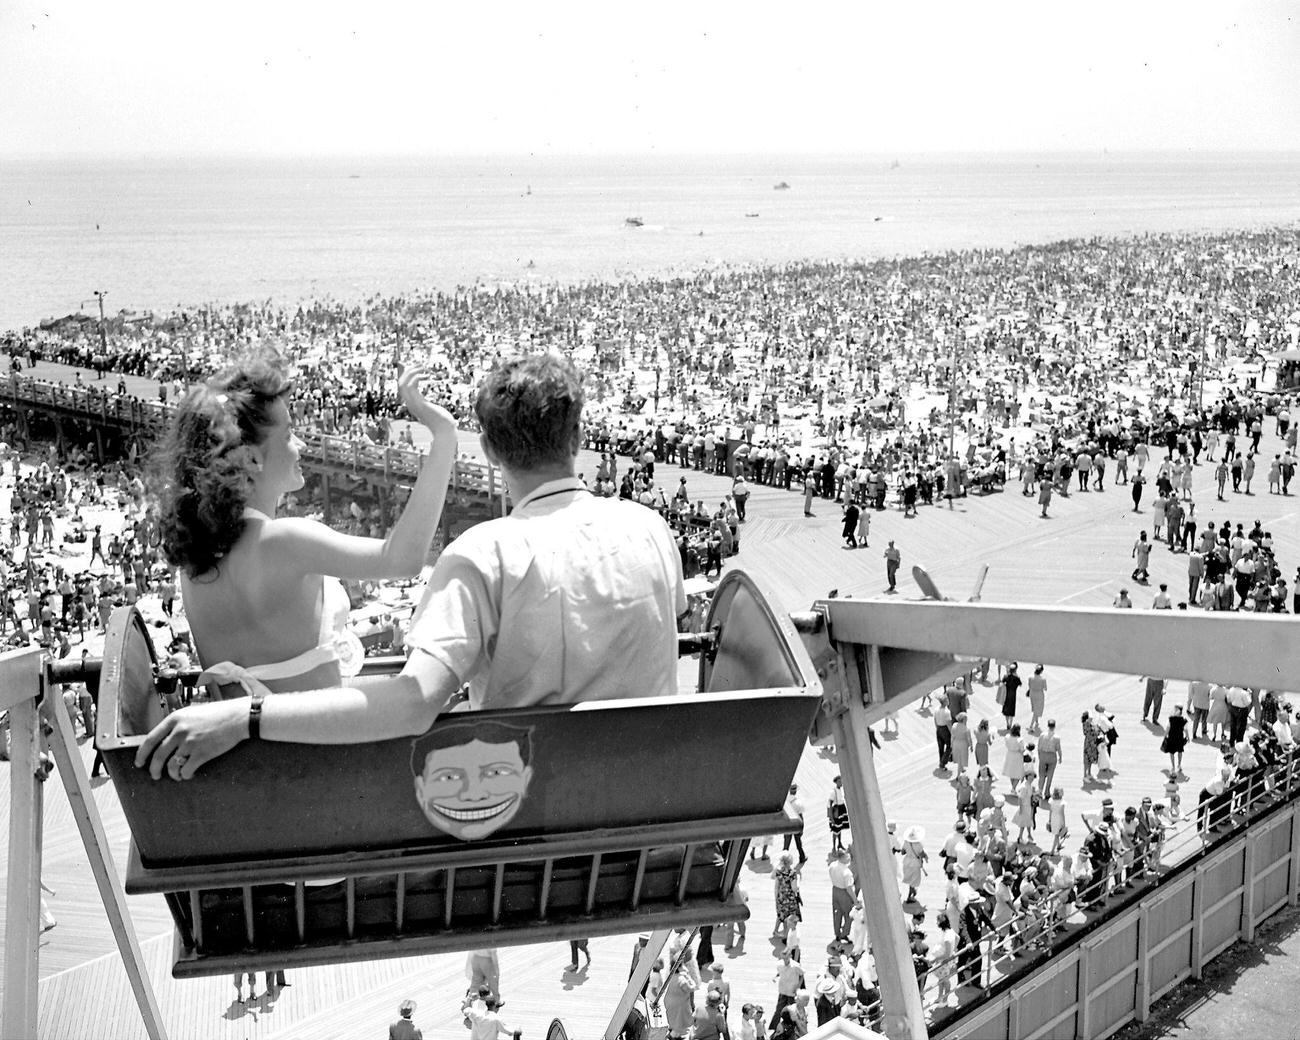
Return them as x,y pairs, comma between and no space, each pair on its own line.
99,294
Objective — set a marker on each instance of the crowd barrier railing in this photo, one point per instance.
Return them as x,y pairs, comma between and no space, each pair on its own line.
1030,942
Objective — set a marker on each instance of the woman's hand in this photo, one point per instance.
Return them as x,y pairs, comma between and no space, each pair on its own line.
421,408
189,738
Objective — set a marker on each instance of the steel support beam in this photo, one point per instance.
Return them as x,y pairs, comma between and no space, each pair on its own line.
85,812
873,857
645,961
1244,649
23,891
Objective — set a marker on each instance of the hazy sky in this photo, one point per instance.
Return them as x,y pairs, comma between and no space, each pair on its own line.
176,78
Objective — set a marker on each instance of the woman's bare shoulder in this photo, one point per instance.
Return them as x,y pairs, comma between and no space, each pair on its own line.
282,527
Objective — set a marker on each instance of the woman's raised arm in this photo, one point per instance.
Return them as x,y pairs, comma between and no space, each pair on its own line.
310,547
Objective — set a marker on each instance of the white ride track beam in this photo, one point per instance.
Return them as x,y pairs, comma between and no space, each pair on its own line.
1243,649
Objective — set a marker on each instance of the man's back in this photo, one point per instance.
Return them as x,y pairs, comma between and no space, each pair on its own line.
709,1023
485,1023
404,1029
570,598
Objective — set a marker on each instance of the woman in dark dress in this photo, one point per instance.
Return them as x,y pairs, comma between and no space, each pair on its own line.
1175,741
1091,743
1011,683
850,531
785,880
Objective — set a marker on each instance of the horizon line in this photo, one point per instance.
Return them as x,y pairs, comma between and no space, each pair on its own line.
883,156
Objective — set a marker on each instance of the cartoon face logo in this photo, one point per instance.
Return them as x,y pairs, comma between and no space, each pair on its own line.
471,777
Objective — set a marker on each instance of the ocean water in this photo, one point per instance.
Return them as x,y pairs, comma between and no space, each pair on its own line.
157,235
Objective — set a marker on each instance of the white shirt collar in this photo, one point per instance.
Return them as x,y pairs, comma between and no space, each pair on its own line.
551,487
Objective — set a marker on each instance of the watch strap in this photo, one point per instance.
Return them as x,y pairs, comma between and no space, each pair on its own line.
255,717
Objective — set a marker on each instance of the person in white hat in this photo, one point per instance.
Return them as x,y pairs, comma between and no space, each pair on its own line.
914,857
830,991
404,1028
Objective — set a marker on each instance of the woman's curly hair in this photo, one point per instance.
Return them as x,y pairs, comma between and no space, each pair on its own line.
203,464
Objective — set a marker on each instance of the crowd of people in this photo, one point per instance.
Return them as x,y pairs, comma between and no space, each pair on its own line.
1070,369
852,346
50,598
1013,876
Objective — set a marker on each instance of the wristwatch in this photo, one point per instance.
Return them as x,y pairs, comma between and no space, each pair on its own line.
255,717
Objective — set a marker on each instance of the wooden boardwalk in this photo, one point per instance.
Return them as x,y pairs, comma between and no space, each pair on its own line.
1080,556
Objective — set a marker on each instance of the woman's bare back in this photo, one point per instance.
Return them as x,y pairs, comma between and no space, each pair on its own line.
252,612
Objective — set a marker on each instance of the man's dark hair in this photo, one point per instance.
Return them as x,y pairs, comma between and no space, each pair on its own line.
457,734
529,410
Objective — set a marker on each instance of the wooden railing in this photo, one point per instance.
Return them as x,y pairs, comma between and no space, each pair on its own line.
98,402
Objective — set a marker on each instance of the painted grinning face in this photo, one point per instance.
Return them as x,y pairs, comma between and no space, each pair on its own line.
473,790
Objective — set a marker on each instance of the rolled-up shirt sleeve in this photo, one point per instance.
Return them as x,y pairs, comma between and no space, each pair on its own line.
456,621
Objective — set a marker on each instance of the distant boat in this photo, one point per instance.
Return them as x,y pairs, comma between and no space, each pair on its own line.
895,165
751,214
781,187
634,222
354,176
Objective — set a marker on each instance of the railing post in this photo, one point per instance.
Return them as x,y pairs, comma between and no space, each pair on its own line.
1083,1014
1142,993
1248,889
1198,921
1293,880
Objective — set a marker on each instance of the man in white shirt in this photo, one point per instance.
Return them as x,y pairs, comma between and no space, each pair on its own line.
1282,728
943,733
844,888
484,1021
1239,702
957,850
789,981
527,609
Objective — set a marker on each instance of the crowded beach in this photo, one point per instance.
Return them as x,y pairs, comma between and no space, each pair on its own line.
1157,367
